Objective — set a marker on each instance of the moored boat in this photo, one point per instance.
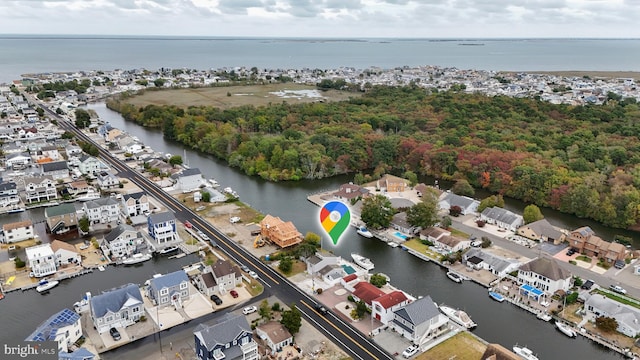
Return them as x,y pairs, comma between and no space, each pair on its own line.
458,316
362,261
524,352
168,250
455,277
495,296
565,329
46,285
101,268
543,316
136,258
393,244
90,195
362,231
16,210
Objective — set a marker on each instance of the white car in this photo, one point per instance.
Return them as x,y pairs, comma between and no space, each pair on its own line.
249,310
234,219
253,274
618,289
410,351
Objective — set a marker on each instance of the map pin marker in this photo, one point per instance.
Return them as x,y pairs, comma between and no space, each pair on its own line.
334,218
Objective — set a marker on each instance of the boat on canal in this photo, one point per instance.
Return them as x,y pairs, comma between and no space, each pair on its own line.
495,296
362,261
364,232
524,352
168,250
565,329
544,316
46,285
454,277
458,316
136,259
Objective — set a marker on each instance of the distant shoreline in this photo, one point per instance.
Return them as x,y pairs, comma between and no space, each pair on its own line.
592,74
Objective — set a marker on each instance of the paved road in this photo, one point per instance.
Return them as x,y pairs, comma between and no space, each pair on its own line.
342,334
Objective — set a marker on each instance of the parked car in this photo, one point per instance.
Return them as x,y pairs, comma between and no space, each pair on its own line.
253,274
244,268
476,243
321,309
234,219
115,334
587,285
410,351
571,251
618,289
619,264
187,225
216,299
233,293
249,309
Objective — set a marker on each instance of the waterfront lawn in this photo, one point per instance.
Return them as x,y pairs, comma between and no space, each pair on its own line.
462,346
619,298
418,246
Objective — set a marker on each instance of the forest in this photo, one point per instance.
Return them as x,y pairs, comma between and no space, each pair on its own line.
583,160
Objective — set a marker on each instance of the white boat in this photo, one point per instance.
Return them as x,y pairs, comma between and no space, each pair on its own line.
228,190
136,258
524,352
393,244
362,231
168,250
213,182
90,195
565,329
544,316
15,210
362,261
455,277
45,285
101,268
458,316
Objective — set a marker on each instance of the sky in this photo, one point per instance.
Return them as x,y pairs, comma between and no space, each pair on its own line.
326,18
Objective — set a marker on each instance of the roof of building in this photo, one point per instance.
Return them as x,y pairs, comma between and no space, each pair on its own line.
136,195
17,225
49,328
7,185
275,331
37,179
463,202
400,219
100,202
499,352
619,311
115,299
190,172
474,260
434,232
544,228
223,268
59,210
168,280
546,267
350,191
117,231
584,231
55,166
209,280
350,277
367,292
162,217
79,354
39,251
450,241
502,215
57,244
419,311
392,299
229,327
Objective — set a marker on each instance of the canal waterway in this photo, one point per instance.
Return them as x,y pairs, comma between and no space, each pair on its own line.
497,322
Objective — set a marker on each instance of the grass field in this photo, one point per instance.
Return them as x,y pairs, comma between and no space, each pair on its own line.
233,96
462,346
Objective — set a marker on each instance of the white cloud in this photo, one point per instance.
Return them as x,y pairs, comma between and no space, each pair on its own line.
325,18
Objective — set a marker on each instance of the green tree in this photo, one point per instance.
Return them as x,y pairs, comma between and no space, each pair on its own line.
292,320
445,223
485,242
463,188
571,298
19,263
265,310
491,201
83,224
159,82
378,280
577,281
606,324
206,196
285,265
175,160
312,238
377,211
40,111
83,119
411,176
423,214
532,213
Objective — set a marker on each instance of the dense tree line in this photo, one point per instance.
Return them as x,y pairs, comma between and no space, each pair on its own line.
583,160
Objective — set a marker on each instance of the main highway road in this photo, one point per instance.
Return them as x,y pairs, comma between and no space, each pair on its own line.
354,343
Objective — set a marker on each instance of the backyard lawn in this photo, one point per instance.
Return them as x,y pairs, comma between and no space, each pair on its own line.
462,346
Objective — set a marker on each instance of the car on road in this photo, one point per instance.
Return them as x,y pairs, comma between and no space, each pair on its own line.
115,334
253,274
244,268
587,285
233,293
321,309
188,225
249,310
618,289
216,299
410,351
205,237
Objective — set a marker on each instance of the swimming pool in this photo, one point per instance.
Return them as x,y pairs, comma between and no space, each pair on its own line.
400,235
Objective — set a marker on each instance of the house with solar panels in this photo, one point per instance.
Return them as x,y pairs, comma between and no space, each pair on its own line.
118,308
169,289
62,327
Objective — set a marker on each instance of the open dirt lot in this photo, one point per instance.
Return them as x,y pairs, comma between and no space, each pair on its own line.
234,96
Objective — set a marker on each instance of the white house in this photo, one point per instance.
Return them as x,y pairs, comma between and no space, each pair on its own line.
420,321
65,253
119,308
17,231
466,204
17,160
8,193
480,259
38,189
41,260
169,289
383,307
502,218
135,204
107,180
57,170
90,165
275,336
123,241
433,234
318,261
62,327
452,243
545,274
162,227
628,317
188,179
102,210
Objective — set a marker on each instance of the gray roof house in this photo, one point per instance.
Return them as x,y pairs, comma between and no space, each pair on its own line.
218,278
545,274
188,180
541,230
230,338
118,307
162,227
102,210
122,242
467,204
419,321
502,218
79,354
57,170
399,222
497,265
628,317
169,289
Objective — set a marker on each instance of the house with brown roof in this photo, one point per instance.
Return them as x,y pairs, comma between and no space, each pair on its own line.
578,237
585,241
283,234
545,274
17,231
350,191
390,183
452,243
433,234
541,230
615,251
498,352
383,307
218,278
275,336
65,253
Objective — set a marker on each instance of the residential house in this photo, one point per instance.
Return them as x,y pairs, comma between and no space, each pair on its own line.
79,187
452,244
615,251
283,234
420,321
17,231
230,338
541,230
400,223
162,227
102,210
499,352
497,265
390,183
169,289
65,253
73,149
17,161
135,204
366,292
107,180
122,242
585,241
593,246
62,327
433,234
502,218
318,261
116,308
78,354
41,260
61,218
275,336
578,237
218,278
37,189
188,179
57,170
8,193
627,317
545,274
383,308
48,152
128,144
351,191
466,204
332,274
90,165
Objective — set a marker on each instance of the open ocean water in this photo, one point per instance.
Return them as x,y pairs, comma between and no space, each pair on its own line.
22,54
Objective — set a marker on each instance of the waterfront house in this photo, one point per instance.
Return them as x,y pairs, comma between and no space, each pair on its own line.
383,307
37,189
8,193
466,204
107,180
480,259
65,253
78,187
578,237
78,354
61,218
452,243
274,335
318,261
169,289
433,234
17,161
366,292
17,231
613,253
41,260
400,223
162,227
545,274
332,274
502,218
218,278
102,210
188,179
134,204
48,152
229,338
58,170
62,327
585,241
541,230
351,191
283,234
90,165
122,242
390,183
117,308
420,321
628,317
